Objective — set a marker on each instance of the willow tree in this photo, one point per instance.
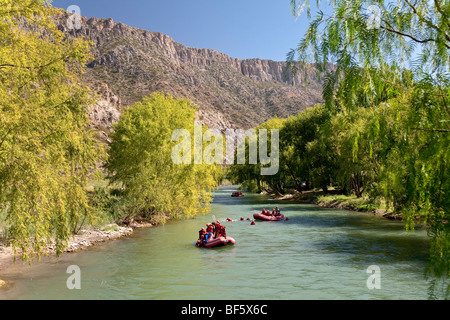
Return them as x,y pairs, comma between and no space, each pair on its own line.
362,38
140,158
306,152
46,150
258,159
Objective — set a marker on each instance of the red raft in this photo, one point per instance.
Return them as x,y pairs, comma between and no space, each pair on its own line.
221,241
237,194
265,217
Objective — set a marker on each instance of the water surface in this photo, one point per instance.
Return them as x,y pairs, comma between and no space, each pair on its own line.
317,254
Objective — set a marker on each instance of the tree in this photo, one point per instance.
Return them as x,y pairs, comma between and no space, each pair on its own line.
370,43
47,151
306,151
369,34
140,158
249,170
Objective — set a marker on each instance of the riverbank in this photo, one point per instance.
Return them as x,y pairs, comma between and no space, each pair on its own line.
338,201
84,239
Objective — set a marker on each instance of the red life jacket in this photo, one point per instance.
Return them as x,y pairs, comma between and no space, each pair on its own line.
218,229
201,234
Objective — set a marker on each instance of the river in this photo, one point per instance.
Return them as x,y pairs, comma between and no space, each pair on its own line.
317,254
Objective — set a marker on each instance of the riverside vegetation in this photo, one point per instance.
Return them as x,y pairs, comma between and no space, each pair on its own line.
50,156
382,133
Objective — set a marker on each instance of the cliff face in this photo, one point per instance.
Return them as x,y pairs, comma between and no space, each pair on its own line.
230,93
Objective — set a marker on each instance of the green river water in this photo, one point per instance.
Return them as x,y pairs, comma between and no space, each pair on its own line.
317,254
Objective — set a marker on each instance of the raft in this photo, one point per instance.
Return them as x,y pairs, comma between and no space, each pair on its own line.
221,241
264,217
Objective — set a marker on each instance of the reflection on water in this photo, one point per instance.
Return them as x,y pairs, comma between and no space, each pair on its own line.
318,254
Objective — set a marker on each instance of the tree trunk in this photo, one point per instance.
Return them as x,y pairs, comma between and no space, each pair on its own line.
280,189
298,184
356,184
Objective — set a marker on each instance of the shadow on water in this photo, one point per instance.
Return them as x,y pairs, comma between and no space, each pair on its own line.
350,220
321,253
361,237
379,248
226,199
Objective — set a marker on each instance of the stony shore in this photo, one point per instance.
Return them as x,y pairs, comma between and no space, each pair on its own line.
85,239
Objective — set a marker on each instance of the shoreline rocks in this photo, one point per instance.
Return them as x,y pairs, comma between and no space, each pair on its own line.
88,238
85,239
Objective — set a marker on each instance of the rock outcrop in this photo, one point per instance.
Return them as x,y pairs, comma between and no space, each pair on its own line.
131,63
106,110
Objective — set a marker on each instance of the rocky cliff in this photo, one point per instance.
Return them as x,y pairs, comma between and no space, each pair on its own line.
130,63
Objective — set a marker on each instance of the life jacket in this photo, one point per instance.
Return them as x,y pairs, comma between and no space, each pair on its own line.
219,228
201,234
221,231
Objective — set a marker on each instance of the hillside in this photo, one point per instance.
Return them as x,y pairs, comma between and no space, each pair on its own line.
131,63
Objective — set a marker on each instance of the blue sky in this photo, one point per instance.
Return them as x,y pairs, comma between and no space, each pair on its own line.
242,29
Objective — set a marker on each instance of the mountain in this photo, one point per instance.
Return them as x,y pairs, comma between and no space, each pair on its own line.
130,63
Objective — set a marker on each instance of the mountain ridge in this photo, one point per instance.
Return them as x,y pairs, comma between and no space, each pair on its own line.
130,63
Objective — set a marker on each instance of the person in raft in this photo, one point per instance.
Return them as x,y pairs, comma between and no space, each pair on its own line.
220,230
275,212
203,236
208,236
213,231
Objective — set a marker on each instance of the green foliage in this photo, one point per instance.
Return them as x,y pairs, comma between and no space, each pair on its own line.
140,159
306,151
391,125
369,34
383,132
352,202
306,157
107,205
248,174
46,151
